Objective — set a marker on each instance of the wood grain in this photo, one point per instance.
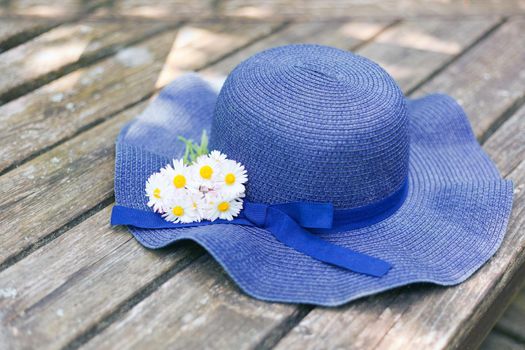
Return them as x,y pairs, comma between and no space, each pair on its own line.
61,49
508,151
16,31
68,9
332,9
57,186
382,315
344,35
498,341
512,321
413,51
166,8
491,72
308,10
87,96
56,293
204,312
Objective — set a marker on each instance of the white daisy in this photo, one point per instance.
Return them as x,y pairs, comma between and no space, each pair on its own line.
198,203
217,156
205,171
233,176
225,208
181,209
177,175
158,190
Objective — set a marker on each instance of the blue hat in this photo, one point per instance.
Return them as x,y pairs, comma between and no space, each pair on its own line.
325,136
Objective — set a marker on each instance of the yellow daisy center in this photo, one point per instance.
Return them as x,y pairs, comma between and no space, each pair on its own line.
229,179
156,193
223,206
206,172
177,211
179,181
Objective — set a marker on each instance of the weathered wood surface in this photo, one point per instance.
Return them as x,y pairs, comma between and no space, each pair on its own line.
512,321
346,35
82,283
101,289
277,9
81,164
43,117
62,49
498,341
13,32
492,72
309,10
49,9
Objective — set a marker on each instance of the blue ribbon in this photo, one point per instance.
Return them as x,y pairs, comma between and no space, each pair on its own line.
288,223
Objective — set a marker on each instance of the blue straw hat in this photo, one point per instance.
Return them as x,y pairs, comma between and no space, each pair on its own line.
408,183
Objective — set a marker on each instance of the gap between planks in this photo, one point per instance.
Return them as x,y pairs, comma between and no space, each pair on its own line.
36,30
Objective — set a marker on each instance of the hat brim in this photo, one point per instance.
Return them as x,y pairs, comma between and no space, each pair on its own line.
452,221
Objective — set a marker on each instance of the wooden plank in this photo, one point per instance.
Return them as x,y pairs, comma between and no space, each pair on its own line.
513,319
62,49
413,51
331,9
345,35
491,72
206,318
309,10
276,10
49,187
80,167
166,8
499,341
507,151
14,32
203,313
89,278
59,110
47,9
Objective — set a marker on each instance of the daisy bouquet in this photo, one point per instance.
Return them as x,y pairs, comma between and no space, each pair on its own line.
200,186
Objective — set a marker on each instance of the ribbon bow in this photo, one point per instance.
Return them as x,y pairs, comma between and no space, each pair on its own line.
287,223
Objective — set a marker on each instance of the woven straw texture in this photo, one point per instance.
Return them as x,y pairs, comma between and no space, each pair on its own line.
355,147
314,123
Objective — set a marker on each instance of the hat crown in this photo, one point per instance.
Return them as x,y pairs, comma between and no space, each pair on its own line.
314,123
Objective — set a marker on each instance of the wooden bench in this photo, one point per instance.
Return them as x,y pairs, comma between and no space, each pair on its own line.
69,82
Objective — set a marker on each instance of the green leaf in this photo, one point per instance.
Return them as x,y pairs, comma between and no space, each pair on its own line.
194,150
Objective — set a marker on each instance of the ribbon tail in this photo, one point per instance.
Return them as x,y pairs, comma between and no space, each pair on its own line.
288,232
